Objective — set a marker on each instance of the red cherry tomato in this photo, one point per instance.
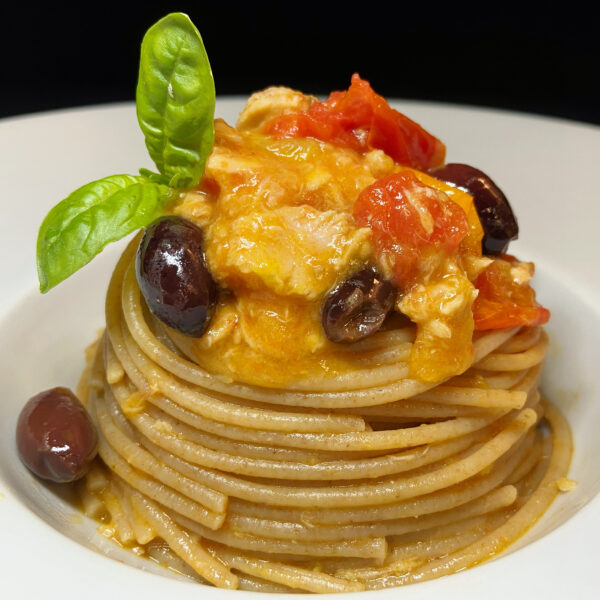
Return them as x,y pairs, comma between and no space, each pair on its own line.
503,301
410,222
362,120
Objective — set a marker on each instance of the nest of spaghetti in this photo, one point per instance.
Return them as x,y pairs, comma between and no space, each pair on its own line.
264,456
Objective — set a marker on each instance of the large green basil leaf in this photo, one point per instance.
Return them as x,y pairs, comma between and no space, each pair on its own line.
98,213
175,99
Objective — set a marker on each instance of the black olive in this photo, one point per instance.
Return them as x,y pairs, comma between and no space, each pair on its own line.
357,307
496,216
56,438
173,276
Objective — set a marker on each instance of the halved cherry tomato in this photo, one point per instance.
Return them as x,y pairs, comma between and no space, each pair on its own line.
503,300
362,120
410,221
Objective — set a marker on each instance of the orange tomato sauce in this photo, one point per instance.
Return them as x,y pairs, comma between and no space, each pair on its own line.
286,218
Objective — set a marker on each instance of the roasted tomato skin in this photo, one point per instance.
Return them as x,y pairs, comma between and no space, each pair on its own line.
503,301
362,120
418,232
410,221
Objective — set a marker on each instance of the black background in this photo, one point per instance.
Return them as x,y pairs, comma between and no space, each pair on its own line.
515,56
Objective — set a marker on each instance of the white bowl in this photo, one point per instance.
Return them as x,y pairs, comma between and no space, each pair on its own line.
546,167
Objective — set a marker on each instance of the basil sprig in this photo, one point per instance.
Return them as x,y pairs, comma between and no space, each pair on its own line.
175,99
175,104
91,217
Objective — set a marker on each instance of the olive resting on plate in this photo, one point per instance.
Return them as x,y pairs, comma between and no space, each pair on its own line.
56,438
174,279
496,216
357,307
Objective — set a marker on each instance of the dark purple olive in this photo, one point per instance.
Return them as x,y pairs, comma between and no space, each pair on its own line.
496,216
172,274
357,307
56,438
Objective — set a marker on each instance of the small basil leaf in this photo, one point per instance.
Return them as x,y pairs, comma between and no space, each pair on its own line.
98,213
175,99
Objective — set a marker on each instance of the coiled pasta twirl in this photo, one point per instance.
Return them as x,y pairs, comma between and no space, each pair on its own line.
358,482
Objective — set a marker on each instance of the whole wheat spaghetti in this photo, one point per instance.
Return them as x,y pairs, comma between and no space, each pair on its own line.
324,497
262,456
